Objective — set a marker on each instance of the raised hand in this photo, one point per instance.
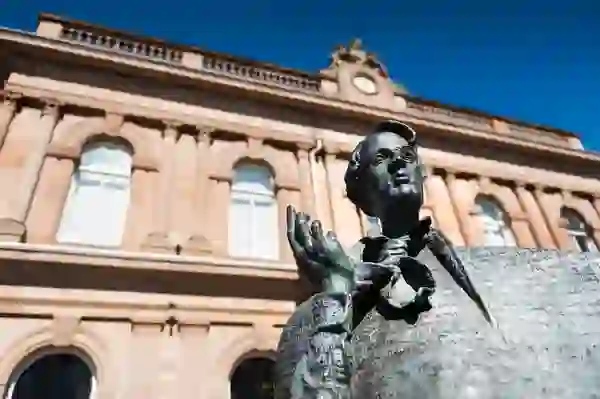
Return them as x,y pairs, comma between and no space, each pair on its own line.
320,257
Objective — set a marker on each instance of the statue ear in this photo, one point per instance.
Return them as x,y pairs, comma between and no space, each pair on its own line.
422,169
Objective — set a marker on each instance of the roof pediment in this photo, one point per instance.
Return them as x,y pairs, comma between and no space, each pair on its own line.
358,75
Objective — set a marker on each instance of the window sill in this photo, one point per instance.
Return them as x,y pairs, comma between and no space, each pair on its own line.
96,256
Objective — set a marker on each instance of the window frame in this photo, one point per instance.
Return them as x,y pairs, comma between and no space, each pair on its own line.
500,217
87,174
578,231
250,198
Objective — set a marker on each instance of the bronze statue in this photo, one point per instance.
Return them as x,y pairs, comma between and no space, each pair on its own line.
384,179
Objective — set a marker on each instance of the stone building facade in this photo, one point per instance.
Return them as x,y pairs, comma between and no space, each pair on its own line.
139,177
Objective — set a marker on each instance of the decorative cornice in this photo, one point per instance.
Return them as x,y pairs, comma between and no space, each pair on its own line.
11,99
51,107
114,122
250,68
204,133
172,129
485,183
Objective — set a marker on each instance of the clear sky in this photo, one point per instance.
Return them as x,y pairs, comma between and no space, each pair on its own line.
532,60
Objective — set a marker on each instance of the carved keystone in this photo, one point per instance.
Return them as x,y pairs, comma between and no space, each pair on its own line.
64,329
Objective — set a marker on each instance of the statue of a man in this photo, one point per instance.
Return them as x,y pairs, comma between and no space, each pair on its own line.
384,179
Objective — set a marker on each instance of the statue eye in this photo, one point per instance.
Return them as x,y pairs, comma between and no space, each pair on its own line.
408,154
379,157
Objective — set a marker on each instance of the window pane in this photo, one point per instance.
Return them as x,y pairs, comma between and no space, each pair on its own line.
265,238
81,216
253,222
253,178
106,158
112,204
492,221
240,228
96,210
509,237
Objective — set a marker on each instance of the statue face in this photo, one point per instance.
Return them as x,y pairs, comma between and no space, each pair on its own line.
393,175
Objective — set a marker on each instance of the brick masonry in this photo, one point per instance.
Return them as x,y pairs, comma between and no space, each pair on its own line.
546,305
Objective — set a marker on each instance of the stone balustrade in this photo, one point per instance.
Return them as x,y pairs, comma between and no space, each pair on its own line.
212,63
263,74
123,45
266,74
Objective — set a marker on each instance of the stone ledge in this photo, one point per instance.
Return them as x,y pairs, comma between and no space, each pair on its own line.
12,230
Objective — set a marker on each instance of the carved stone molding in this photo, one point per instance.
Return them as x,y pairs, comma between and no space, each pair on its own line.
172,130
159,242
64,329
485,184
51,107
255,153
113,123
204,133
11,99
567,196
255,148
70,145
197,244
12,230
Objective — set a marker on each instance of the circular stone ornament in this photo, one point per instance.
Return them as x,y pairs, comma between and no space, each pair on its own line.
365,84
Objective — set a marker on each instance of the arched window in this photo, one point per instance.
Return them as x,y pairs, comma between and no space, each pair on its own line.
53,376
579,231
96,208
494,223
253,379
253,214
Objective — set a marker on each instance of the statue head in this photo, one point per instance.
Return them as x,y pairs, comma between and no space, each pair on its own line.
385,175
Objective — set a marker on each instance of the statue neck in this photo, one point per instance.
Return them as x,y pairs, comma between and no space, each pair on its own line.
399,226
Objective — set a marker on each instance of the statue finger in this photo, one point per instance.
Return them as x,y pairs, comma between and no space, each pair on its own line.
303,231
316,232
297,249
332,242
290,220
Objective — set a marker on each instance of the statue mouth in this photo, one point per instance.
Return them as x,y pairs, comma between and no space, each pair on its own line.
401,178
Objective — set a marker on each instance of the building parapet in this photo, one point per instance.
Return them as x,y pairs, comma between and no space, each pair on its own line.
223,65
263,74
120,44
157,50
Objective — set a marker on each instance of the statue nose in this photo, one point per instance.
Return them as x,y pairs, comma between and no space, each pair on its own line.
396,163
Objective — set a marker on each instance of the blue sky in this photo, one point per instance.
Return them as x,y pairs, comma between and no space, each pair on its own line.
530,60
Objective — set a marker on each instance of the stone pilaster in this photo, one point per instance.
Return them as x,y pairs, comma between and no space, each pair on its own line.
443,208
427,208
158,240
8,110
550,219
539,227
198,243
461,209
12,225
325,201
306,183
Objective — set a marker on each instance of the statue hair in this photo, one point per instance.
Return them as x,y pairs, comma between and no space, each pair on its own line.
355,189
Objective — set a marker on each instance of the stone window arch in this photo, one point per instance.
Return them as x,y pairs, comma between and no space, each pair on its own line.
578,230
253,378
493,222
253,213
99,194
53,373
